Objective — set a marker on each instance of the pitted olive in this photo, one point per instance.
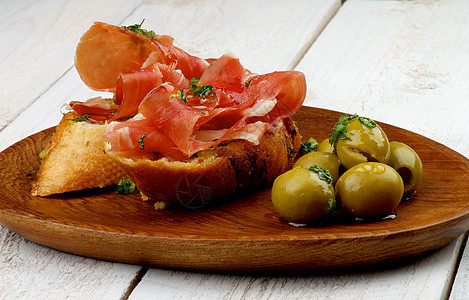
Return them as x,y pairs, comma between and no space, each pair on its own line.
360,140
325,160
408,164
301,196
325,146
370,190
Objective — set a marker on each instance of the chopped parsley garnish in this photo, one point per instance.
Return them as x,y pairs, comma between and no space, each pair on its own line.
183,97
140,141
84,118
247,83
331,205
341,127
194,81
367,122
291,151
202,90
32,173
137,28
126,186
310,146
44,153
322,173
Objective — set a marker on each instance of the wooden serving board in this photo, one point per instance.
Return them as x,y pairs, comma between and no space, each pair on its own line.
244,233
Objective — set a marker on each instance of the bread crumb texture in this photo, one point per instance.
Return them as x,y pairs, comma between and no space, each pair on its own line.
75,160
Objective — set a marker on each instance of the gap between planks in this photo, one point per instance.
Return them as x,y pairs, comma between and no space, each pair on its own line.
457,263
144,269
331,15
133,284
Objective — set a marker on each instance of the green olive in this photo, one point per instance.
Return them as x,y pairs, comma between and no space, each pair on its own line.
370,190
325,146
325,160
363,144
300,196
408,164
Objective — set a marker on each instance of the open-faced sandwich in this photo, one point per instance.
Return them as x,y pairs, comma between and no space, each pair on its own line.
178,126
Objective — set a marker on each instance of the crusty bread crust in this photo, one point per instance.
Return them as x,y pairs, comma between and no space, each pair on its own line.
212,174
75,160
256,165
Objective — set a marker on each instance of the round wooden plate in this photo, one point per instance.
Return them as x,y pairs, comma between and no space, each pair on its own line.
244,233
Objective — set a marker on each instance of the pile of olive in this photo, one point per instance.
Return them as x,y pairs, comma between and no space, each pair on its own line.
356,171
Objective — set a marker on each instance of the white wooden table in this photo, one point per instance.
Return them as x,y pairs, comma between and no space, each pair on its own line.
401,62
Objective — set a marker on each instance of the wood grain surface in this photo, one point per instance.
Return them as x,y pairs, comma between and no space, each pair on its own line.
40,77
401,62
244,232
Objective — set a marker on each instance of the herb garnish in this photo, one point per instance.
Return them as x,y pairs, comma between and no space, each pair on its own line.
84,118
247,83
126,186
137,28
331,205
310,146
32,173
183,97
202,90
341,127
367,122
194,81
140,141
322,173
44,153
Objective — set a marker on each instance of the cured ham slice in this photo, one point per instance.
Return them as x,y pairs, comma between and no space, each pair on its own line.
138,139
95,109
186,125
132,87
105,51
178,104
227,73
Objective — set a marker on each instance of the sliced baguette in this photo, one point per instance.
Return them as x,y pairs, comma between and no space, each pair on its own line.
75,159
212,174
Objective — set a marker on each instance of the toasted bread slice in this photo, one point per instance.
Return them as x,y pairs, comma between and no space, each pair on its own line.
212,174
75,159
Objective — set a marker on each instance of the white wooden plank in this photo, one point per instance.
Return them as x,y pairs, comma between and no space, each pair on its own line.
401,62
45,112
258,54
38,40
460,289
352,67
387,283
31,271
266,35
404,63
